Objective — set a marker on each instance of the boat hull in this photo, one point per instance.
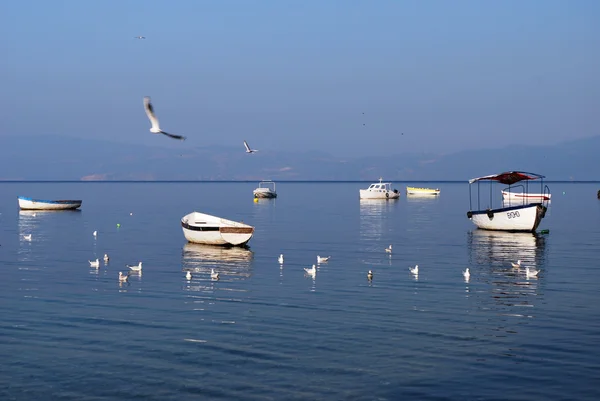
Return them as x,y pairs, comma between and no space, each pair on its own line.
264,194
200,228
39,204
422,191
526,197
524,218
366,194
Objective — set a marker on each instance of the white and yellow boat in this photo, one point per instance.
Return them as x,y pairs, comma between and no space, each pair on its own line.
422,191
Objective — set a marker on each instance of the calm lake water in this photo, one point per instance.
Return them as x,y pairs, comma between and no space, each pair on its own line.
265,332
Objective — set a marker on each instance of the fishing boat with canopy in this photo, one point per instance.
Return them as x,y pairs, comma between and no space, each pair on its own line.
522,214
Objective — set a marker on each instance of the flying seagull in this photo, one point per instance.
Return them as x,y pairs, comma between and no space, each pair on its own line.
139,37
248,150
155,127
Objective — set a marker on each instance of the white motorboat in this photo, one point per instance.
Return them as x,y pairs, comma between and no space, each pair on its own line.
524,196
266,189
42,204
201,228
379,190
524,216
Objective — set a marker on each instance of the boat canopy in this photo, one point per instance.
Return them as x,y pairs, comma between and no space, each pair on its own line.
508,178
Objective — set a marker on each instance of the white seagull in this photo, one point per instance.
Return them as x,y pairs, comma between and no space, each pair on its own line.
123,277
94,263
414,270
248,150
214,275
139,37
516,265
389,249
95,233
370,275
531,273
135,268
467,274
280,259
155,129
188,275
106,258
312,271
323,259
27,237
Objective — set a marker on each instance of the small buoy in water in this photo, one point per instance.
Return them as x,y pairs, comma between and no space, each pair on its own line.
118,225
564,192
131,214
545,232
255,199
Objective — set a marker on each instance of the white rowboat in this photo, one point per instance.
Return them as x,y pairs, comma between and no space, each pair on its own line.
40,204
201,228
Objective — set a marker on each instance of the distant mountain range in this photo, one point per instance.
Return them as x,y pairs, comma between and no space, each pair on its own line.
46,157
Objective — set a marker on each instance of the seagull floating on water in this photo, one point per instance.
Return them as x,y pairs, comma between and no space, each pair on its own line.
370,275
135,268
27,237
531,272
155,129
414,270
139,37
94,263
95,233
516,265
188,275
323,259
248,150
467,274
123,277
214,275
388,249
106,258
312,271
280,259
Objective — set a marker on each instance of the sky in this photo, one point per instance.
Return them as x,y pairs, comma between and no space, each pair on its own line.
348,77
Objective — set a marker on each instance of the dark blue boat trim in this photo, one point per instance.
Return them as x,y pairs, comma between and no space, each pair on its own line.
196,228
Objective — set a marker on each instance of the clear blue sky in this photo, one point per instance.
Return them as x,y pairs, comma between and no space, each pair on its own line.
449,75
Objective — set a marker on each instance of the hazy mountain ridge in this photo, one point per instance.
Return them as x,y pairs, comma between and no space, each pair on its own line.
46,157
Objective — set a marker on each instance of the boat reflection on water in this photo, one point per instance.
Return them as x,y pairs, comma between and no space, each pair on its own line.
499,248
490,257
231,262
373,217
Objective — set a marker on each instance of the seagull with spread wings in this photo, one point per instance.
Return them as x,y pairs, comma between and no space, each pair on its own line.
155,126
248,150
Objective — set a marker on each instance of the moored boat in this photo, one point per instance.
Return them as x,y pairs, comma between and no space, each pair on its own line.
524,216
266,189
379,190
422,191
26,203
201,228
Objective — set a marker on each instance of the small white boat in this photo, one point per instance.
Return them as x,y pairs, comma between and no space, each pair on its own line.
201,228
379,190
40,204
266,189
524,196
525,216
422,191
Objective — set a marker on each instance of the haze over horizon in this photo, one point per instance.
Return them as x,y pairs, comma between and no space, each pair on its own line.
429,76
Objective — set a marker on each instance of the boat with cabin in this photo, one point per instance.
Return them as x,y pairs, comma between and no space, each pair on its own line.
26,203
514,215
202,228
266,189
380,190
422,191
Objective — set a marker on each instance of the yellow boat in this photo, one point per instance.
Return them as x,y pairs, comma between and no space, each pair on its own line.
422,191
